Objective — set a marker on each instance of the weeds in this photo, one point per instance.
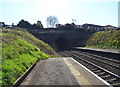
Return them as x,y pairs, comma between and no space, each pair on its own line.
105,39
19,51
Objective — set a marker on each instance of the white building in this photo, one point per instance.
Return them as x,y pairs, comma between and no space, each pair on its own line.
2,24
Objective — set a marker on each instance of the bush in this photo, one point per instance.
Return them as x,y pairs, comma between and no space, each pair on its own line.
105,39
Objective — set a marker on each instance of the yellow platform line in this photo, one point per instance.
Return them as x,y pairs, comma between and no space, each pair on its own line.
79,77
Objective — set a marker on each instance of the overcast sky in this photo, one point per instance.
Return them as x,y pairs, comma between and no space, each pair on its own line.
100,12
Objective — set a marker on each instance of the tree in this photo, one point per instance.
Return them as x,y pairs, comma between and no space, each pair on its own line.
24,24
38,25
59,26
51,21
69,26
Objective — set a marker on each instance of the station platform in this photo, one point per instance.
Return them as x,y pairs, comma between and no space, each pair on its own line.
62,71
103,50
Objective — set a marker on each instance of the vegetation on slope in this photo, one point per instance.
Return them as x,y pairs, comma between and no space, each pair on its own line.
20,50
105,39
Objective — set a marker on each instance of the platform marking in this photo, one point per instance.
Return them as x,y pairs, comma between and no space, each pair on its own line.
79,77
93,73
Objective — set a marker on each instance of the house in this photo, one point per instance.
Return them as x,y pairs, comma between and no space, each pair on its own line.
2,24
92,26
78,26
109,27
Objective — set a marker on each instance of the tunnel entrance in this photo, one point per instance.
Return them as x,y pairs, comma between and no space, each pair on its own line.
62,43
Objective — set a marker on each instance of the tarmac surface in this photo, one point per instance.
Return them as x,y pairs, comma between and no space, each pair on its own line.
62,71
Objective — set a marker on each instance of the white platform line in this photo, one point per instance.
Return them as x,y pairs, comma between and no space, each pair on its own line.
78,76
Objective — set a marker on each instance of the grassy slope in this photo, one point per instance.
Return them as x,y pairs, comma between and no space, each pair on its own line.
20,49
0,57
105,39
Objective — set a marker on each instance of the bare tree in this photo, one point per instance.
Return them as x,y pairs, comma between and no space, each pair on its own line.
51,21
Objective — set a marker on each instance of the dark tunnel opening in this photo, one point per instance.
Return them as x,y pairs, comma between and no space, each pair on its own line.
62,43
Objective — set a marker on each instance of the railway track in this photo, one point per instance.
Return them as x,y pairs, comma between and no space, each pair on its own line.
107,69
109,64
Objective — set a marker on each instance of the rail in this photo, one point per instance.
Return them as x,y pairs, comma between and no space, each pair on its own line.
84,58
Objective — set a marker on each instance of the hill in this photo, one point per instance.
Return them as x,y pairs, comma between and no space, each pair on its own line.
105,39
20,50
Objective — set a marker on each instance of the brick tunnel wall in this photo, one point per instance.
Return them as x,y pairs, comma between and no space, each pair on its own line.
63,39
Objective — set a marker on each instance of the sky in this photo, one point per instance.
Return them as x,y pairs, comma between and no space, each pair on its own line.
99,12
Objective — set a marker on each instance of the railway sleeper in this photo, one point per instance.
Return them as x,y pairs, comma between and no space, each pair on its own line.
90,67
101,73
112,80
115,83
93,69
105,76
97,71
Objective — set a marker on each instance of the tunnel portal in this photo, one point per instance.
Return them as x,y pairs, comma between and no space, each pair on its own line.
62,43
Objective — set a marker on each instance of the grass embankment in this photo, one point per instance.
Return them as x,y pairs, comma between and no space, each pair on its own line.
105,40
20,50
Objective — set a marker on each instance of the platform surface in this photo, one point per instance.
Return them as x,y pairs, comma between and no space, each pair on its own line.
61,71
99,49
